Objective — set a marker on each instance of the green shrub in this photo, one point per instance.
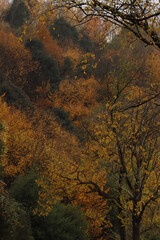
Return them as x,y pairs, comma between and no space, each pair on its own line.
49,68
25,190
15,222
63,223
14,95
67,69
63,31
18,14
86,44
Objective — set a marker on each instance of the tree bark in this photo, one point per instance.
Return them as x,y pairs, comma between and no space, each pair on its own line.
136,229
122,231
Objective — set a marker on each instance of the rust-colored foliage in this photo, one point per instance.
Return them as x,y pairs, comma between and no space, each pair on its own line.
74,54
19,139
78,97
15,61
97,29
51,46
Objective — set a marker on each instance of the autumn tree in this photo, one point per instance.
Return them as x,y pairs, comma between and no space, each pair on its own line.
51,46
125,138
122,144
14,219
18,140
15,61
61,164
78,97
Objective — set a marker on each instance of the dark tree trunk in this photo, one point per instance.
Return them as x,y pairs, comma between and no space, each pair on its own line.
122,231
136,229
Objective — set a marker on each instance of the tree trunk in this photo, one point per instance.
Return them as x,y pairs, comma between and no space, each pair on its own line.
122,231
136,229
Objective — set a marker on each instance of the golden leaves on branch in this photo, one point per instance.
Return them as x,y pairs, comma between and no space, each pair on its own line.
67,172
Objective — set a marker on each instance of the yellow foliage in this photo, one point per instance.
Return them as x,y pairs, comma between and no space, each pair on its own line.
19,139
125,141
66,172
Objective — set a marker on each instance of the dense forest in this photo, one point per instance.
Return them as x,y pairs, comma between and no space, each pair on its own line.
79,123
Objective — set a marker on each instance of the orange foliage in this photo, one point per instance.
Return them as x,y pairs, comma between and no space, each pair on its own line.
96,29
19,140
78,97
51,46
15,60
75,56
